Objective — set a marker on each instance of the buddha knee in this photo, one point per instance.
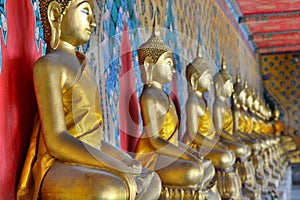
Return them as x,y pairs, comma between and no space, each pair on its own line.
210,168
227,159
194,174
209,171
255,146
76,183
114,188
243,151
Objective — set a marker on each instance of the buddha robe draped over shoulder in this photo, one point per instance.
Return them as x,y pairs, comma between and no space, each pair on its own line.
256,126
83,118
228,121
169,132
205,127
248,125
242,122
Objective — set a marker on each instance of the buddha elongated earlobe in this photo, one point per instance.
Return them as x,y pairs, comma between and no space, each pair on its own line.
148,65
194,82
55,17
55,37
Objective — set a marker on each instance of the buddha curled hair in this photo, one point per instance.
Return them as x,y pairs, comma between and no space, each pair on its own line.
221,77
248,91
197,66
44,4
238,88
153,48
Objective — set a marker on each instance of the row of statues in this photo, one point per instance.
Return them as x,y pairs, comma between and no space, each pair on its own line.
226,153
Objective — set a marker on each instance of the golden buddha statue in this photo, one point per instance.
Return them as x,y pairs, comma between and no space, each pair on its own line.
256,156
270,164
278,130
223,121
239,98
200,134
67,158
289,150
183,171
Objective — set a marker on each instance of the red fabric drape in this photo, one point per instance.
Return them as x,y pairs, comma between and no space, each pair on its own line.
17,98
128,104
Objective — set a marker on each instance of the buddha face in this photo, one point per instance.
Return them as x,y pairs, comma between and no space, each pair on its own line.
261,108
228,88
205,81
249,101
276,114
78,22
163,70
242,97
256,104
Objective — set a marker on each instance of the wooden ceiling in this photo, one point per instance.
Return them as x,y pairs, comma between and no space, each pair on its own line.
272,26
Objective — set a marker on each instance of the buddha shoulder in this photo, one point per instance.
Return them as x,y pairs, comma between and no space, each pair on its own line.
57,66
196,104
152,96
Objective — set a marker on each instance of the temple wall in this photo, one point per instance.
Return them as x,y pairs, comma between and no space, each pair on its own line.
281,78
182,23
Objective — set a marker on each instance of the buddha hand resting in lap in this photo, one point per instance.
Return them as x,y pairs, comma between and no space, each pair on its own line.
200,133
67,158
182,170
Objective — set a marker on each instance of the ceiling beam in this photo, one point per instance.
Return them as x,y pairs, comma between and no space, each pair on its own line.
274,35
281,50
294,47
277,45
256,18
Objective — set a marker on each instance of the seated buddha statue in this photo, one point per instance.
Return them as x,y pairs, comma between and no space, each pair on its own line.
289,150
223,121
256,156
275,160
267,150
278,127
181,169
200,134
239,98
67,158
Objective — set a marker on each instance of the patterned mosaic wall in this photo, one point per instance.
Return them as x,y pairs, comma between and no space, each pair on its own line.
182,23
281,78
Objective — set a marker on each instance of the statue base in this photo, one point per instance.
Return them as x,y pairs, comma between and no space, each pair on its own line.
172,193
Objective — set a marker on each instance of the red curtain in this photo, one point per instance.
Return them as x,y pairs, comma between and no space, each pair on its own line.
128,104
17,98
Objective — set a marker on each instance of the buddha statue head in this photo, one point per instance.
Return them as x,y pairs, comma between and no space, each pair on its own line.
198,73
256,102
249,97
156,59
71,21
276,113
239,94
261,108
268,112
223,82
